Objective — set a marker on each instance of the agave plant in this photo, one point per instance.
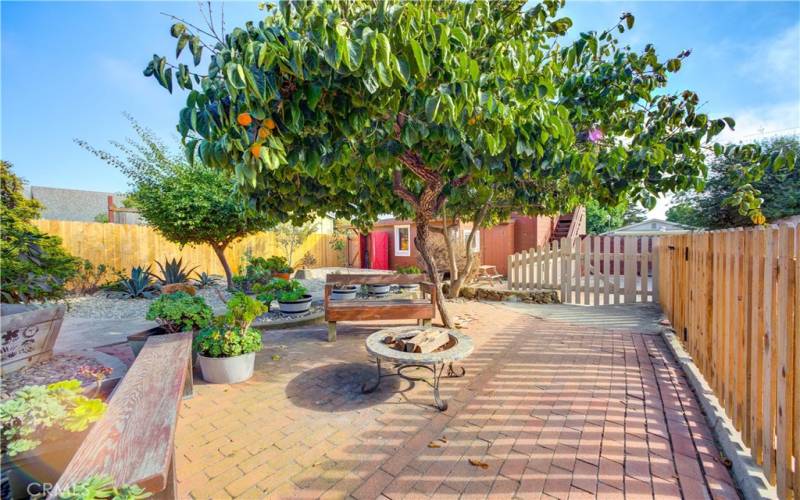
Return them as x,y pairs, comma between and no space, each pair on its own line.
172,271
204,280
139,284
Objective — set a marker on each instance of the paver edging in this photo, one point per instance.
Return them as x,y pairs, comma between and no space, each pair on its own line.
749,477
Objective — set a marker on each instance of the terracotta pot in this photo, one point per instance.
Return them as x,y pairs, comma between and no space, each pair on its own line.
283,276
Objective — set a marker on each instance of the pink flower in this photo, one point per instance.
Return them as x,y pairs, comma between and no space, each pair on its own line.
595,135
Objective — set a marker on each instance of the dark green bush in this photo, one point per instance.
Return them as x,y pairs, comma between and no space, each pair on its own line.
35,266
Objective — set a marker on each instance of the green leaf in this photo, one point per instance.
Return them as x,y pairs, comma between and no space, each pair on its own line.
629,20
196,46
402,70
673,65
184,38
419,59
730,122
177,29
313,95
432,104
384,75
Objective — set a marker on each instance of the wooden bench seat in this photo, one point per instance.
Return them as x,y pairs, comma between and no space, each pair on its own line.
423,309
134,441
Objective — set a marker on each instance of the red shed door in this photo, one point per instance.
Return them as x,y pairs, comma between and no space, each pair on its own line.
379,250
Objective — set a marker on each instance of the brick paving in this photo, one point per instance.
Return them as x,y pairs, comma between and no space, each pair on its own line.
550,409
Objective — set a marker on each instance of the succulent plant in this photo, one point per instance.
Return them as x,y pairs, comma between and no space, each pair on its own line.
204,280
139,284
173,271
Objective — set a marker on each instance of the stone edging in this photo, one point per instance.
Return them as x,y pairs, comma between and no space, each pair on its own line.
748,475
290,322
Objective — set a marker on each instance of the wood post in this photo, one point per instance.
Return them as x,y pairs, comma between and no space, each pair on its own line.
331,331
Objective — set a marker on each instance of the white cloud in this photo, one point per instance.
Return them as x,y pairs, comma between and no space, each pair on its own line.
764,121
776,61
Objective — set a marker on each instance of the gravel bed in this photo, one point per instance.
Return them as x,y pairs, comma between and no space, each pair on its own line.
59,367
105,305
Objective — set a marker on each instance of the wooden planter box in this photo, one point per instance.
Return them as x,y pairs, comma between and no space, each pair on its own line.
28,335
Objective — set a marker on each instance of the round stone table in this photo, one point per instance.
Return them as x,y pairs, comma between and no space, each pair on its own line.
435,362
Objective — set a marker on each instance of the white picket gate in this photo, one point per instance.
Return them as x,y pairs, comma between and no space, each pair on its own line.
596,270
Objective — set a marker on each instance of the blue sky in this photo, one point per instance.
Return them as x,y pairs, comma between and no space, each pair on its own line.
70,69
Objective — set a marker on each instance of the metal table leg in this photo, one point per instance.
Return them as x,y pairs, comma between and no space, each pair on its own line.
365,388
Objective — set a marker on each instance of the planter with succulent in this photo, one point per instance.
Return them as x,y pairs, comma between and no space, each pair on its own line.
408,270
292,297
226,350
42,428
280,267
174,312
344,292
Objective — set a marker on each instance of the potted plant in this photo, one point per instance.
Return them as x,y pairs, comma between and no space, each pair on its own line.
265,294
379,289
226,350
409,270
344,292
292,296
42,428
174,312
280,267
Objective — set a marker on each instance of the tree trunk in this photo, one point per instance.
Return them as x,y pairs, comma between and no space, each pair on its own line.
463,274
448,243
422,241
220,251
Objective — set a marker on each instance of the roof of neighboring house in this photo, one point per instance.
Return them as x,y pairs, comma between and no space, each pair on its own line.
72,204
652,226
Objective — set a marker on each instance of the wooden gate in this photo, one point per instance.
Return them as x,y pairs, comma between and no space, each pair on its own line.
596,270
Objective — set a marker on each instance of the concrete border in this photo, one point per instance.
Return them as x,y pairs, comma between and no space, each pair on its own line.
283,324
748,475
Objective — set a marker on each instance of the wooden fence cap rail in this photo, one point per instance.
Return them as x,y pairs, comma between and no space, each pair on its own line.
134,441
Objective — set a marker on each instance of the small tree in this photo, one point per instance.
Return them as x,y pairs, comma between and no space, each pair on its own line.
188,203
369,107
712,207
34,265
291,237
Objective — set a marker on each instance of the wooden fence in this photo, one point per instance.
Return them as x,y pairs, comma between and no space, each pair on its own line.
733,298
594,270
123,246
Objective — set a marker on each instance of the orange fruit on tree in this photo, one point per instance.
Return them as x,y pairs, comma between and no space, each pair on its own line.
244,119
255,150
263,133
270,123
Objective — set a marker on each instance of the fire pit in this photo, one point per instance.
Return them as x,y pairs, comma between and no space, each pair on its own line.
385,345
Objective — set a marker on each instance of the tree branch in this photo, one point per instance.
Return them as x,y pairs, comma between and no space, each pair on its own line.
402,191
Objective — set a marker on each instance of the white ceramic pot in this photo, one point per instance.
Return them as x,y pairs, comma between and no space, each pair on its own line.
344,293
227,370
296,306
379,289
409,287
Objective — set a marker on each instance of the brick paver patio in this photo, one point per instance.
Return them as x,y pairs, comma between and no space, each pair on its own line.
551,409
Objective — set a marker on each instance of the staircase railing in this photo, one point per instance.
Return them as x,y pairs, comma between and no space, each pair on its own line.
578,216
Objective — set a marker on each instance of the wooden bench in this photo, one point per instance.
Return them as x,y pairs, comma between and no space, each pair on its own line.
134,442
423,309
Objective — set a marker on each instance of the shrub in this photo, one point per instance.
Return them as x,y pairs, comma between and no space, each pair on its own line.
285,290
408,270
35,266
173,271
89,278
307,260
37,407
278,264
180,312
100,487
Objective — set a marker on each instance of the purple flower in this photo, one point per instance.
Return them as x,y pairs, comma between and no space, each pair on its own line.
595,135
